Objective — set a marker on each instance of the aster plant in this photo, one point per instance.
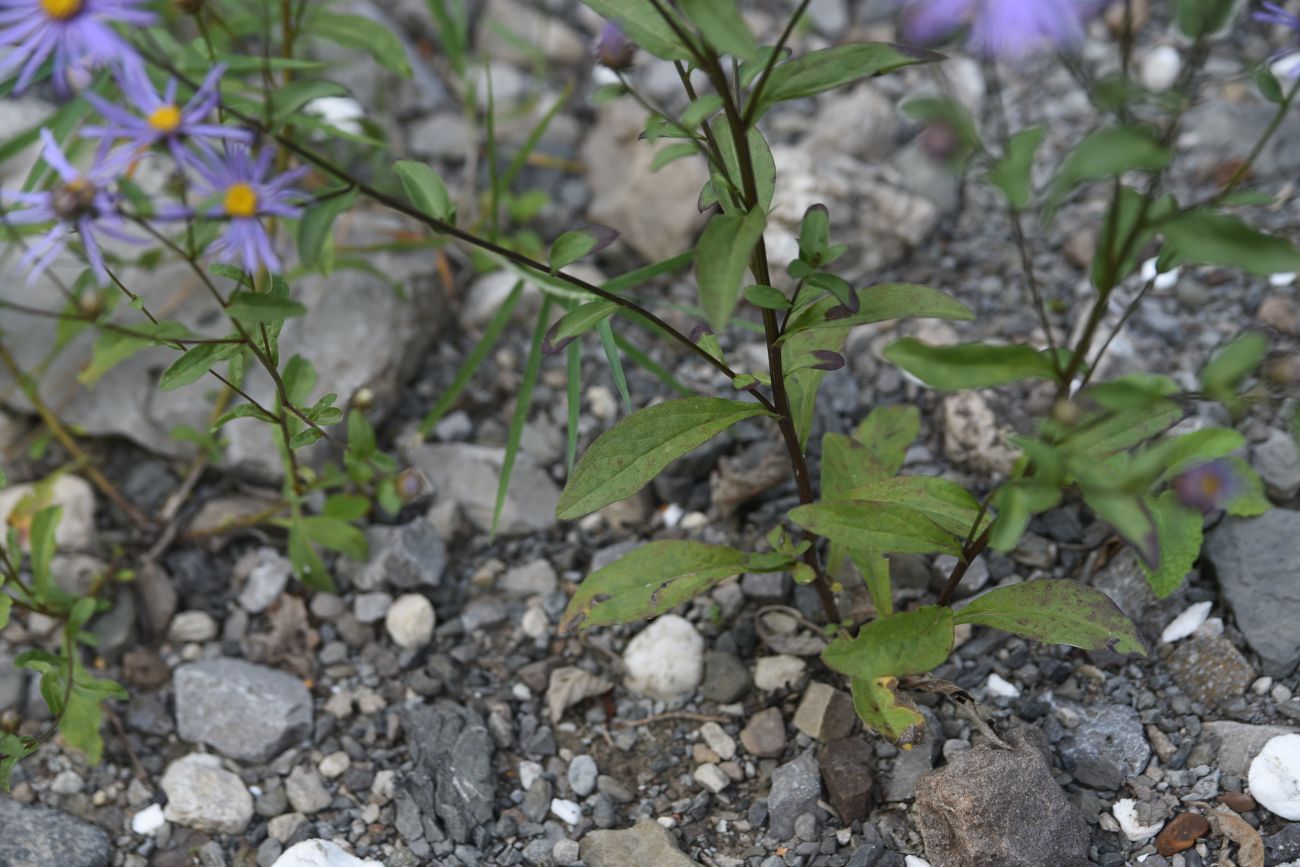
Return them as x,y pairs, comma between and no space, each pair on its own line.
72,34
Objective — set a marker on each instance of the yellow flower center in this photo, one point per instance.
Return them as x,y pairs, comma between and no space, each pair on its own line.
1211,486
61,9
165,118
241,200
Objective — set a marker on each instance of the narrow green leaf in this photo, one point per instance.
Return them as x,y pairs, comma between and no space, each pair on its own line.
879,304
875,573
721,258
1204,237
610,346
523,402
761,161
1012,173
1232,363
767,297
426,190
831,68
1057,612
318,222
262,307
722,27
1200,18
658,577
1104,154
573,394
671,153
363,34
627,456
473,361
645,362
306,562
289,100
114,347
577,322
699,111
195,363
969,365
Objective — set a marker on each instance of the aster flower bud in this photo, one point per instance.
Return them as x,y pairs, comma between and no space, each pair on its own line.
613,48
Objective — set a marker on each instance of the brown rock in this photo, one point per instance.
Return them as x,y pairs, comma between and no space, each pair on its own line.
1278,312
1181,833
825,714
144,668
846,771
1210,669
992,807
764,734
1239,802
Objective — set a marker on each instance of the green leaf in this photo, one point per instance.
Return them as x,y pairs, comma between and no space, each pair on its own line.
831,68
1233,363
337,535
363,34
573,400
1016,502
1251,501
195,363
1012,173
766,297
1204,237
347,507
909,642
699,111
944,502
1198,447
721,258
1130,516
425,189
1199,18
761,160
720,23
305,561
868,526
1058,612
263,307
627,456
969,365
879,304
610,347
473,361
6,603
658,577
570,247
643,25
523,401
887,432
879,705
1108,433
1107,153
289,100
243,410
875,574
671,153
45,525
114,347
317,223
1179,530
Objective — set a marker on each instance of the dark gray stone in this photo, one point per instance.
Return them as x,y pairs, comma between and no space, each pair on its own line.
1256,561
726,678
1284,845
846,770
245,711
902,772
407,557
1107,747
40,837
796,786
452,777
994,807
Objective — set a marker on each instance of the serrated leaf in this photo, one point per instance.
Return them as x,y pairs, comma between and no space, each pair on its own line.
831,68
426,190
658,577
721,259
969,365
1058,612
630,454
868,526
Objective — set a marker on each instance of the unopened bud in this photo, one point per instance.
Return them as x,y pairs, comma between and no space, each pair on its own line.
410,485
613,48
363,398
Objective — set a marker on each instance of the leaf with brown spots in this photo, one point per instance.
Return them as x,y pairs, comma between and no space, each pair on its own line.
1057,612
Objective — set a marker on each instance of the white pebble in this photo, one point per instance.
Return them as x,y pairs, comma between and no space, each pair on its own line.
1281,693
1282,280
1160,68
343,112
191,626
566,811
777,672
1211,628
528,773
1000,687
711,777
1262,685
320,853
149,820
665,660
914,861
1160,279
718,740
1186,623
1275,777
1125,811
671,514
410,621
335,765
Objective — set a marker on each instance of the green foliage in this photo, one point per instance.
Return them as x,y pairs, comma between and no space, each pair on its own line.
879,304
1057,612
1205,237
426,190
1107,153
362,34
629,455
643,25
1012,173
1199,18
831,68
970,365
722,27
721,259
1178,529
657,577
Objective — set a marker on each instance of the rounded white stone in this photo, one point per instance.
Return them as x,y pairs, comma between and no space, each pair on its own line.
410,621
1186,623
566,811
1000,687
1161,67
192,626
320,853
149,820
1275,777
777,672
665,660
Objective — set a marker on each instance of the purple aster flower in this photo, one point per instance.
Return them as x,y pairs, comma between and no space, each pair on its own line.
81,202
161,118
244,192
1287,61
74,33
1208,487
1008,29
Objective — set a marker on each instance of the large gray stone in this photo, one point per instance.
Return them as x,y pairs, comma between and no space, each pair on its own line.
245,711
1107,747
645,843
452,776
994,807
203,795
796,786
468,475
33,836
407,557
1236,744
1257,561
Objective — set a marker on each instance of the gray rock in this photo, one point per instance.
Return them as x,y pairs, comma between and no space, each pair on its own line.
511,32
536,578
1126,584
1284,845
582,775
645,843
1210,669
1278,461
468,475
796,786
39,837
726,677
306,791
245,711
442,136
1256,561
409,557
452,776
267,575
1236,744
903,771
1107,747
205,796
764,735
993,807
766,587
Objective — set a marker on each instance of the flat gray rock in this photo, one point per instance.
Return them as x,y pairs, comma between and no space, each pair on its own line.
796,786
1256,561
1107,747
245,711
40,837
452,778
468,475
407,557
645,843
992,807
